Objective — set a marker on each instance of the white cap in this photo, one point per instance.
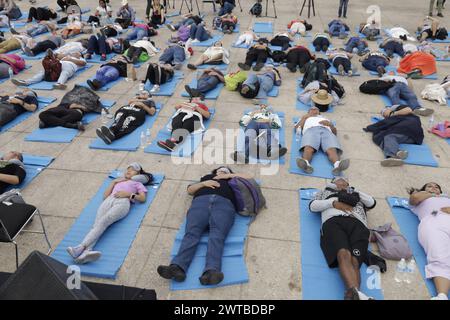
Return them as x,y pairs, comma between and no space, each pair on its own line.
124,2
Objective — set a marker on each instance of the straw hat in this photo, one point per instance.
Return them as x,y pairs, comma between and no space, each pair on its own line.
124,2
322,97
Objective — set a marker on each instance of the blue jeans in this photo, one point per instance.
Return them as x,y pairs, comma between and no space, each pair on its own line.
98,45
391,142
184,22
137,34
227,8
343,8
402,91
106,74
198,32
37,30
252,130
174,55
209,211
265,84
336,27
355,42
207,83
373,62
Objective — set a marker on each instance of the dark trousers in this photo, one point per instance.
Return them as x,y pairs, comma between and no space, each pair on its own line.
93,19
181,129
280,41
256,55
321,44
373,62
63,5
98,45
126,120
7,113
297,58
60,117
125,23
392,47
110,32
37,13
344,62
212,212
43,46
343,8
157,75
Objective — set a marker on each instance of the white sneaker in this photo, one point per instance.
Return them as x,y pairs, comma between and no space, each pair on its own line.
340,166
88,256
440,296
155,88
362,296
75,252
305,165
195,41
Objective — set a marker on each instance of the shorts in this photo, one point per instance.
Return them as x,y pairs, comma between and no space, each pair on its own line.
344,233
320,137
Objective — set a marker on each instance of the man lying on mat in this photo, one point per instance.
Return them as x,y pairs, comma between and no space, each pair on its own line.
12,171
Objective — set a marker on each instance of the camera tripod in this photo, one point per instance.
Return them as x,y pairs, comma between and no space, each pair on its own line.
267,7
310,4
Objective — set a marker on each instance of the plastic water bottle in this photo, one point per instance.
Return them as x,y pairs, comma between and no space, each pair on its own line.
141,87
431,122
410,270
143,140
400,271
11,73
148,136
297,135
104,116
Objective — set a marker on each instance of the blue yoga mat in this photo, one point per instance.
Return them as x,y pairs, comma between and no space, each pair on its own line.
409,224
16,26
39,56
442,53
209,42
420,155
334,72
319,282
33,166
222,66
131,141
387,101
187,148
46,85
263,27
168,88
96,58
117,239
279,134
300,105
233,261
61,134
210,95
43,102
393,69
322,166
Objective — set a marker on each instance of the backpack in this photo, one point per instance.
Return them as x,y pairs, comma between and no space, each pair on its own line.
334,85
52,68
279,56
13,196
375,86
392,244
249,197
256,9
232,80
314,71
217,23
441,33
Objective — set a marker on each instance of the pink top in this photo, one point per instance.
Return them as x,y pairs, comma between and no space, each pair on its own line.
129,186
142,26
426,207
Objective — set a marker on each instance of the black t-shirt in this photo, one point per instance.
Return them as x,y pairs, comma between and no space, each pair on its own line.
233,2
196,19
19,109
224,190
10,169
120,66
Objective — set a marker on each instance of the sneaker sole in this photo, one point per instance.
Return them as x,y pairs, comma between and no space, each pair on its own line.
107,133
165,147
215,279
102,136
90,258
402,154
343,165
301,163
424,113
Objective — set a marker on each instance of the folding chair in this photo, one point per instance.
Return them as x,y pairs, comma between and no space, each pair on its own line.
13,219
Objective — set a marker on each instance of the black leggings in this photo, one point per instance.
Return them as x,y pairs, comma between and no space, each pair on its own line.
125,23
344,62
281,41
39,14
64,4
321,44
189,125
297,58
126,120
61,116
228,25
93,19
158,75
43,46
256,55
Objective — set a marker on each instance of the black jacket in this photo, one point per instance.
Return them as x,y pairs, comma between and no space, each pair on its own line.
408,125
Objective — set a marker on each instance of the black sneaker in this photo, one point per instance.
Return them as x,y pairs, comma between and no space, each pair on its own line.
191,66
80,126
168,145
211,277
243,66
107,133
193,93
102,136
172,272
440,15
41,124
93,84
13,31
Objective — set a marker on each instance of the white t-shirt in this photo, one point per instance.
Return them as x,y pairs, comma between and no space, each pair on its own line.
396,78
102,11
69,65
314,122
71,47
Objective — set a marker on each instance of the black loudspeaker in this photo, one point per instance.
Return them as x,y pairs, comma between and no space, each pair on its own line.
41,277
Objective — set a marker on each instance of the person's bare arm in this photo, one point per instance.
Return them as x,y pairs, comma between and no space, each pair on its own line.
301,123
233,175
193,188
9,179
402,112
27,106
141,196
110,188
143,106
417,197
329,124
204,113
